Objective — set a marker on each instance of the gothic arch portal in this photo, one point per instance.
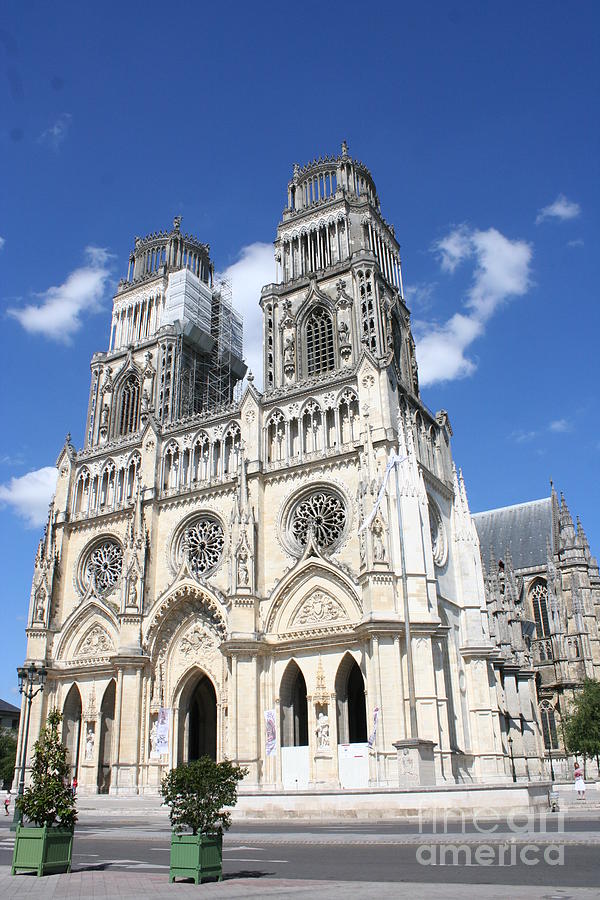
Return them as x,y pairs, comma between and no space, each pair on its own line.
197,720
71,735
105,749
294,707
351,703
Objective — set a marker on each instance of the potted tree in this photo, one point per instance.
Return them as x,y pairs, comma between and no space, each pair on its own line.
196,795
45,844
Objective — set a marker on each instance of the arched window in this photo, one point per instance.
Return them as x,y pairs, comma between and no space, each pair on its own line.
539,603
129,406
549,731
319,342
276,437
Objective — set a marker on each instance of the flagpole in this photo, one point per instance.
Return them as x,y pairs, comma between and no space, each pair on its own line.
409,658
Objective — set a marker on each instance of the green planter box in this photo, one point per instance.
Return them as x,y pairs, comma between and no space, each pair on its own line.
43,850
196,856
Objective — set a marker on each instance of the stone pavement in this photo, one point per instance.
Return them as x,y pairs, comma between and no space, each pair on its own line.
123,885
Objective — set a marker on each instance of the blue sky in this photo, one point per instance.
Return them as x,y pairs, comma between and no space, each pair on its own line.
479,122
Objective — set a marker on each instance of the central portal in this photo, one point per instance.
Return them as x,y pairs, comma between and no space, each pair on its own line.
199,736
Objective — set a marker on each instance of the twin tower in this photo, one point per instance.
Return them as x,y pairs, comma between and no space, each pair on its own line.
288,578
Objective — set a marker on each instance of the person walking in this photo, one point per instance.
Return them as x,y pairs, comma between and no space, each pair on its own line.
74,787
579,782
7,802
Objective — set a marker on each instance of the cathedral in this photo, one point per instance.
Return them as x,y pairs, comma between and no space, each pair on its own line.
292,578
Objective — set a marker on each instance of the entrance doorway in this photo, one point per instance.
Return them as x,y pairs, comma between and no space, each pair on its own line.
72,728
107,718
294,728
353,750
198,724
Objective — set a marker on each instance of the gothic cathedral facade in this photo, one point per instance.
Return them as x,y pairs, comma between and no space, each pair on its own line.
288,578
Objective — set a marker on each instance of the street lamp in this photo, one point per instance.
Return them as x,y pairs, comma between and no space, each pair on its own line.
31,681
551,765
512,758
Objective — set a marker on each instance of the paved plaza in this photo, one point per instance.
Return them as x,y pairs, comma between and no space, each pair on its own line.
554,857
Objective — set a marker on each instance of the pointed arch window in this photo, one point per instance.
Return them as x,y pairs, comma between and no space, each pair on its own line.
539,603
129,406
549,730
319,342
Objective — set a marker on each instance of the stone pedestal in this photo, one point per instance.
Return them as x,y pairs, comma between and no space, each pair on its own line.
323,769
416,763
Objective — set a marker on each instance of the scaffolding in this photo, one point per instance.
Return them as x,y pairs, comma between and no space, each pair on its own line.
208,378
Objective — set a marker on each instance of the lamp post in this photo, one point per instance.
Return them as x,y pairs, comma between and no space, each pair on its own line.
31,681
551,765
512,759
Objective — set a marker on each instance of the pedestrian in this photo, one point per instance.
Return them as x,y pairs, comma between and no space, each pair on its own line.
7,802
579,782
74,787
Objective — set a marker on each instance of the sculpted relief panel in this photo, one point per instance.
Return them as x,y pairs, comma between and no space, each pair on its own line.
318,609
96,643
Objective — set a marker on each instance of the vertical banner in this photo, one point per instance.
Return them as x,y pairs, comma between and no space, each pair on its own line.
373,734
162,730
271,729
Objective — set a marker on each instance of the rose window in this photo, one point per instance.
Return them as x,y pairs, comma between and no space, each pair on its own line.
103,566
204,541
322,511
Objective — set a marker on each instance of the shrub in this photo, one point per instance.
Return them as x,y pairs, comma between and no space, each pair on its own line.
49,799
198,792
8,753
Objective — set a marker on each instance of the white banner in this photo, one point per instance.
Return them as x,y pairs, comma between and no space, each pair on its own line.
373,734
271,728
394,460
162,730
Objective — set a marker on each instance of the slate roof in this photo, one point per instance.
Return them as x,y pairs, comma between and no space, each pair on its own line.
8,708
522,528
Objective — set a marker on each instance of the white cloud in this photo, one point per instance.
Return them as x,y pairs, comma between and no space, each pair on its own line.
455,247
501,271
2,242
562,209
578,242
440,348
56,133
420,295
560,425
59,314
254,268
29,495
523,437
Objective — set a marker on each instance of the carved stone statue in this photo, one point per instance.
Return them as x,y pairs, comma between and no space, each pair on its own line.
288,351
89,744
104,415
323,731
40,605
154,738
132,601
243,573
343,334
378,536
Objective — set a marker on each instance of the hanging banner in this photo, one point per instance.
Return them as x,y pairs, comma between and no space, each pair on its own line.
373,734
271,731
162,730
394,460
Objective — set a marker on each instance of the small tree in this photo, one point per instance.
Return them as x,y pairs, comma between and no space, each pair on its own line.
8,753
198,792
582,731
49,799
